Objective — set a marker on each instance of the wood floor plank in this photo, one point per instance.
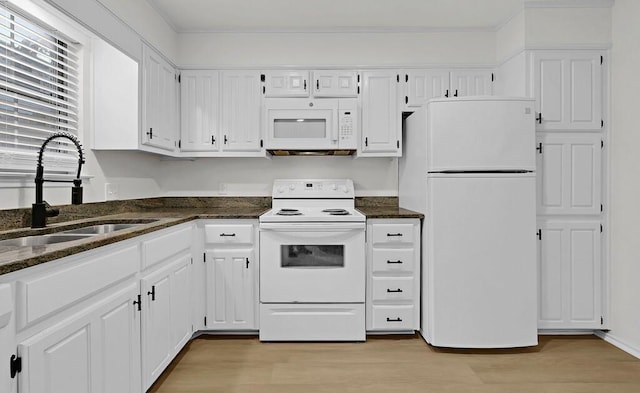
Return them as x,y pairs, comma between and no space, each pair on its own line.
387,364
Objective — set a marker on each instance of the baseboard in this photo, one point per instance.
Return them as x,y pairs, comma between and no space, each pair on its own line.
617,342
565,332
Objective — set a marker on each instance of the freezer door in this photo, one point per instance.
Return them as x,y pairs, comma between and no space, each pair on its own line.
480,254
481,135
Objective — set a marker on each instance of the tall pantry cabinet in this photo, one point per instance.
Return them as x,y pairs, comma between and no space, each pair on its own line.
568,86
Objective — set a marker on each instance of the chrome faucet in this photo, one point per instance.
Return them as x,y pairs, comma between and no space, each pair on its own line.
41,209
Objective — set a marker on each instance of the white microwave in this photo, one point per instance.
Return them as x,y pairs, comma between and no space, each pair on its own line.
306,124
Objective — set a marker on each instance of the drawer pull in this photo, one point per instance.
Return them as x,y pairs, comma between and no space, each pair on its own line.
399,290
398,261
227,234
393,234
394,320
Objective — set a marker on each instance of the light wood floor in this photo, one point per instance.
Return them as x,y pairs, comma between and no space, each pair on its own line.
405,364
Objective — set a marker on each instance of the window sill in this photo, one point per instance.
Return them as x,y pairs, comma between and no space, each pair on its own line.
27,180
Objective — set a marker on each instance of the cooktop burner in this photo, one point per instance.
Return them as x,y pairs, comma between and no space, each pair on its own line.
289,212
336,212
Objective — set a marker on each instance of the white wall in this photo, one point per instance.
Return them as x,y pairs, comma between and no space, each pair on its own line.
342,49
561,27
625,175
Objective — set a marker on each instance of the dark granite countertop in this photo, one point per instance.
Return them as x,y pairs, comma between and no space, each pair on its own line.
153,214
388,212
17,258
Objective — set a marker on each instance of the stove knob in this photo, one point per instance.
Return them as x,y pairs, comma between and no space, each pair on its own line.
280,190
345,189
292,187
334,186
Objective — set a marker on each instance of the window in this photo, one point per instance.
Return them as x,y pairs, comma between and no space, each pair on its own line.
38,94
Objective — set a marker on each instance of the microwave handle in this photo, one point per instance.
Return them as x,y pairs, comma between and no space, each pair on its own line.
335,130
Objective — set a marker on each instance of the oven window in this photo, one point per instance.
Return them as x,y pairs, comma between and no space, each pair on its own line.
312,256
300,128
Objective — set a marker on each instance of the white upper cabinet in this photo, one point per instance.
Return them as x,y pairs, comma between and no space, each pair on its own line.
471,83
200,111
335,83
286,84
159,102
241,103
569,174
567,86
424,84
381,118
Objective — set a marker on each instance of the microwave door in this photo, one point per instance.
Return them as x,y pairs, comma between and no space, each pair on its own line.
302,129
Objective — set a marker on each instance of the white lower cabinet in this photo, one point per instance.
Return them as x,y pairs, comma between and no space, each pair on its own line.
96,350
393,275
570,274
231,275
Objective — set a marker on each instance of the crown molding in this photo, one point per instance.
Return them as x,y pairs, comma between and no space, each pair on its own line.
568,3
342,30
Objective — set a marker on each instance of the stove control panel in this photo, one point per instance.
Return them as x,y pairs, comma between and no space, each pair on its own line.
313,188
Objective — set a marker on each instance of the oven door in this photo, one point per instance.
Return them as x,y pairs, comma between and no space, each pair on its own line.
295,124
312,263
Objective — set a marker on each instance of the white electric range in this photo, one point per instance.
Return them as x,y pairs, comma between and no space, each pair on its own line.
312,263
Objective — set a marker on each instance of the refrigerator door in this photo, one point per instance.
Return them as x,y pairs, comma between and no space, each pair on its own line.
480,258
481,134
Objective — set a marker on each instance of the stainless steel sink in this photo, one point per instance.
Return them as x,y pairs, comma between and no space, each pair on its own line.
41,240
99,229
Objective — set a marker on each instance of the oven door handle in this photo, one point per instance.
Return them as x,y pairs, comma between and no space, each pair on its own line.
312,226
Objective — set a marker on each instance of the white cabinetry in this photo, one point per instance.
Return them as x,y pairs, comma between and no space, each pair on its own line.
166,306
570,271
200,111
159,102
393,275
567,86
424,84
569,172
96,350
335,83
241,103
381,118
231,275
286,84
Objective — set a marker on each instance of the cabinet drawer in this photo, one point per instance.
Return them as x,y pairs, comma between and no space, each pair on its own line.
392,317
228,234
165,245
392,288
392,233
393,260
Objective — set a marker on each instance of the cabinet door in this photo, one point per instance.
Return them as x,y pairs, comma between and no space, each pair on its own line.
231,299
568,90
200,110
424,85
287,84
159,102
381,119
569,174
166,321
241,102
332,83
93,351
570,275
471,83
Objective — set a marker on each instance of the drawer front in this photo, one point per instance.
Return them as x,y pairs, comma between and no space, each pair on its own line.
165,245
396,288
393,317
228,234
392,233
44,295
393,260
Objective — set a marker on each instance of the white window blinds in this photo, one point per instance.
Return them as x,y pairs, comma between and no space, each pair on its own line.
38,95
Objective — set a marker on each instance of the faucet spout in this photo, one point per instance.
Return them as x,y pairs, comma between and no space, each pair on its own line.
39,210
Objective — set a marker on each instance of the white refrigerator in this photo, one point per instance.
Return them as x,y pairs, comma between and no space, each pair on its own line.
469,166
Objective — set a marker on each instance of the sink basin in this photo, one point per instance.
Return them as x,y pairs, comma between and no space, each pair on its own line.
30,241
99,229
